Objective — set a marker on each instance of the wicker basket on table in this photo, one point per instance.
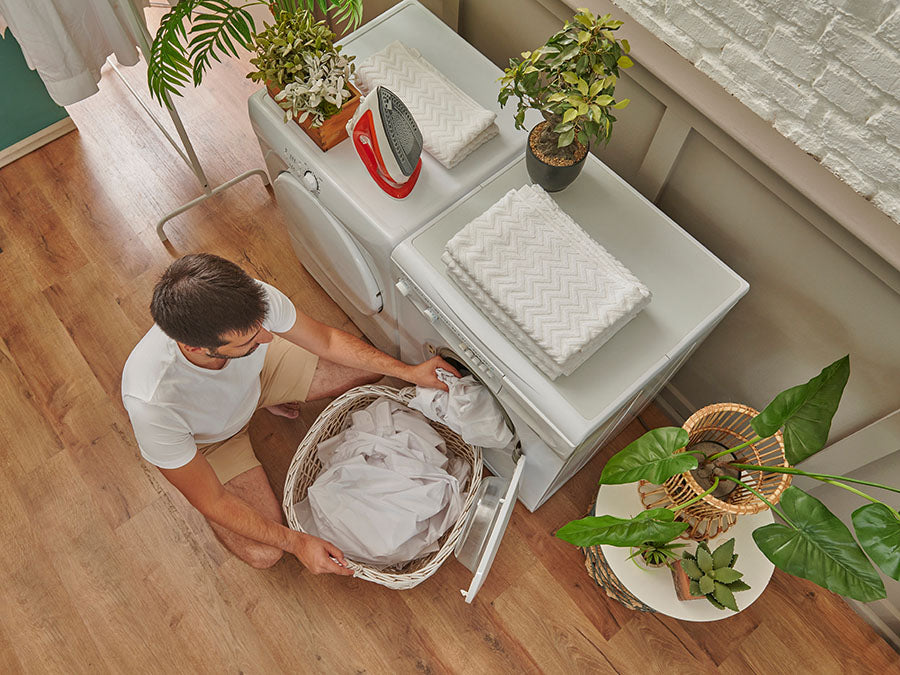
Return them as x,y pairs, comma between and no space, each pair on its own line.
727,424
305,468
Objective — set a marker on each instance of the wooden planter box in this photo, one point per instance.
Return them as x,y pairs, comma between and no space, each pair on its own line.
334,128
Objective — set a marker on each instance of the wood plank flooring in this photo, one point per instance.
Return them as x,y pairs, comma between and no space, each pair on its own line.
105,568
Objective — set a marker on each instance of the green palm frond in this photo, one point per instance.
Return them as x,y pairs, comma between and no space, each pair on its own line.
186,42
348,12
168,68
215,31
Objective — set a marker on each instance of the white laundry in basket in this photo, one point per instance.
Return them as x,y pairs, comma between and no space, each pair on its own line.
387,491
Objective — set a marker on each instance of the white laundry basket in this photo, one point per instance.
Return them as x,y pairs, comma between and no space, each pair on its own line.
305,468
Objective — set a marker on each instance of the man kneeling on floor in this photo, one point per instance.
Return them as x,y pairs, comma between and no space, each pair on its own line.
222,346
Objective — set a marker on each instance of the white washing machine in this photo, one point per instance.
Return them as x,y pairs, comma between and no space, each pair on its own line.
342,226
562,423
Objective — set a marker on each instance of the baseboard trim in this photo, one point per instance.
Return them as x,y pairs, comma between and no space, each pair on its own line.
675,404
36,140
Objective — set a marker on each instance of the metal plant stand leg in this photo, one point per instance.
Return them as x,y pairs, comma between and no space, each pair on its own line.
185,150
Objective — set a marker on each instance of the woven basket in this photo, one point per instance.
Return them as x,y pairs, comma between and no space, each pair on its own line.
305,468
729,425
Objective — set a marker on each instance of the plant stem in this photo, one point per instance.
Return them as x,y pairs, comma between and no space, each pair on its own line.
753,440
817,476
861,494
698,497
758,495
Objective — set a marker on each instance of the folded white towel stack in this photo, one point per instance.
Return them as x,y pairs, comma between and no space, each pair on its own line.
451,122
557,293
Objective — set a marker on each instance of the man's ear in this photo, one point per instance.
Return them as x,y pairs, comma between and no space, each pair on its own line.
192,350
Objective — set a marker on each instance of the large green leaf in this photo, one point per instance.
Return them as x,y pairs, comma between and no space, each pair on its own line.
805,412
655,525
821,549
651,457
878,531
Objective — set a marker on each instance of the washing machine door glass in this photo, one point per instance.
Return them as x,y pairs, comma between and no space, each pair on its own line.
488,518
325,247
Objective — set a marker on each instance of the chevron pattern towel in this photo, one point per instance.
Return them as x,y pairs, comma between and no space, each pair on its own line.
452,124
555,292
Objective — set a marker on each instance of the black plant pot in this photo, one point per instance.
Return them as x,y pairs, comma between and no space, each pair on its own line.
551,178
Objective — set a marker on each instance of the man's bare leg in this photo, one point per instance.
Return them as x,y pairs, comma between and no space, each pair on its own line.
253,487
332,379
289,410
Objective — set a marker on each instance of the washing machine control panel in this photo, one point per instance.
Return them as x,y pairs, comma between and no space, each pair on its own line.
301,170
460,343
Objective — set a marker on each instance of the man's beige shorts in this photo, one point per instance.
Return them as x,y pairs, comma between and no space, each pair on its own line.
286,377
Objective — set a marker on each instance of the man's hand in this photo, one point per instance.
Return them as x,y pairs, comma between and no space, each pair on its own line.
424,375
320,557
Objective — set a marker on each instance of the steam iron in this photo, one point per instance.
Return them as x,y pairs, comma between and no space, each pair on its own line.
388,141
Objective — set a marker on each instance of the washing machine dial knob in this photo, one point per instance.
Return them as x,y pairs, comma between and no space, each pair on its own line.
431,315
403,287
310,181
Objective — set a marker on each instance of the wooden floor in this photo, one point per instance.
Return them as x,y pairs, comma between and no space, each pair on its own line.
104,568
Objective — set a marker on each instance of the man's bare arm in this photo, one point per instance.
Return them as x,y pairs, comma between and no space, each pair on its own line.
197,481
348,350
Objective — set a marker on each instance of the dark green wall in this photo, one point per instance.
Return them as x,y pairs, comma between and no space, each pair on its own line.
25,105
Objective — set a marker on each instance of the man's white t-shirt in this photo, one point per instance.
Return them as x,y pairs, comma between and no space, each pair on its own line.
174,404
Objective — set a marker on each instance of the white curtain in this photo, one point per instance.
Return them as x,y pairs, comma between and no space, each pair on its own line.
66,41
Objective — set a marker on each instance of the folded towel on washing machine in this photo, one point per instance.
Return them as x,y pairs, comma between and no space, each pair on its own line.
387,491
557,293
451,122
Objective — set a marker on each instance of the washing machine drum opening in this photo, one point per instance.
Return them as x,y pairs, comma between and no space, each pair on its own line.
454,360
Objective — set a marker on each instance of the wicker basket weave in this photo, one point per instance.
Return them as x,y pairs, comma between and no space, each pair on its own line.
727,424
305,468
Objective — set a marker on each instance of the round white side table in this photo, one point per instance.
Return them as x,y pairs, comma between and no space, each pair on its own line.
655,588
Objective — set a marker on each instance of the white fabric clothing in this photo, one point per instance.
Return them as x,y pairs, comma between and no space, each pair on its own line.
452,123
387,492
468,408
67,41
174,404
543,280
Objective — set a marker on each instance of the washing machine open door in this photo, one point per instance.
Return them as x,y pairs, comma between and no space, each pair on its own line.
484,529
325,247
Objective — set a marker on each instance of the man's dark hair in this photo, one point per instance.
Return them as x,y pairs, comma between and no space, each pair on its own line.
201,297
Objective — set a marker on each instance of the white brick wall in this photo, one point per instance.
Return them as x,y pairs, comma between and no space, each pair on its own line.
825,73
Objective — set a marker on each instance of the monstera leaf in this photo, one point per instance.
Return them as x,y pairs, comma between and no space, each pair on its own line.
821,549
655,525
651,457
805,412
878,531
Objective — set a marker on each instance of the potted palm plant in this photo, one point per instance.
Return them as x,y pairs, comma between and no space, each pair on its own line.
571,81
811,543
307,75
195,32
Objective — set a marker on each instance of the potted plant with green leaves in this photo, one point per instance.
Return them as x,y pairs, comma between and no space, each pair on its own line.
711,574
811,542
307,75
196,32
571,81
655,554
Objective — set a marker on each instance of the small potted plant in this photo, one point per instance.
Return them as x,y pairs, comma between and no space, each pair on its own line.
811,542
710,574
307,75
571,81
655,554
